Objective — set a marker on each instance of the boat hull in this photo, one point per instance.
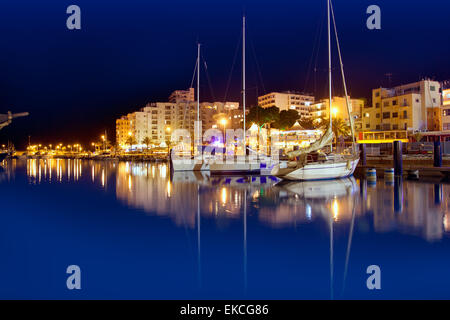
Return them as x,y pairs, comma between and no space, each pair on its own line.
317,171
189,165
235,168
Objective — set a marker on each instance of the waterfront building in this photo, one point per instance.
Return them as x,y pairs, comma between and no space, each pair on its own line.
288,100
321,109
157,120
182,96
446,109
122,130
411,107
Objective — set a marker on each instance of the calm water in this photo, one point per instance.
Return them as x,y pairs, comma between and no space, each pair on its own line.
136,232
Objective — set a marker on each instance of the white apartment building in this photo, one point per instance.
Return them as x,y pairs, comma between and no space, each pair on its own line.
408,107
182,96
157,120
288,100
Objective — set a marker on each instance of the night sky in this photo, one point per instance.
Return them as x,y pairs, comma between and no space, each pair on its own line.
76,83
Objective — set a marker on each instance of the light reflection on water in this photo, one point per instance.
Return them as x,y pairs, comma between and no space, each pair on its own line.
410,207
348,208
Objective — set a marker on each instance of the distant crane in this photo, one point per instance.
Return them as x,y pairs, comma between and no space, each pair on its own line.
6,119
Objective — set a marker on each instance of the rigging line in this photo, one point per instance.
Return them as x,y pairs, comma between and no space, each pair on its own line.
191,86
232,68
343,78
317,54
258,69
211,91
316,44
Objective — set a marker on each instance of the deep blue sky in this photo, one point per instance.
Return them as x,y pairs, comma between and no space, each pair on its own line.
75,83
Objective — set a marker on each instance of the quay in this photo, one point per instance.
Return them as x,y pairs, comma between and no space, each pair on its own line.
434,165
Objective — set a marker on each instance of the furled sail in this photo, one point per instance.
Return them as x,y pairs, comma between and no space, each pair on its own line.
319,144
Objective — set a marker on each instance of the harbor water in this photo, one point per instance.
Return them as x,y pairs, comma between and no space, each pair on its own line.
138,232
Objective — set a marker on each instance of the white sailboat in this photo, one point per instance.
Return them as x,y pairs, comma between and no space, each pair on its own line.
241,164
326,166
198,162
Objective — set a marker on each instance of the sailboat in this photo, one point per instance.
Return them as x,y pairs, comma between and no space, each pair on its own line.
323,165
241,164
198,162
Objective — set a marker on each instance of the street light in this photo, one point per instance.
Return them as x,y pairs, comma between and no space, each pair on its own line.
335,110
168,129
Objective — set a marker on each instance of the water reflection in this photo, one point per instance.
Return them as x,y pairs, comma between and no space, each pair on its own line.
245,229
408,207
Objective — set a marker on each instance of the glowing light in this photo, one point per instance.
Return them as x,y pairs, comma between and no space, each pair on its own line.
335,111
335,206
169,189
224,195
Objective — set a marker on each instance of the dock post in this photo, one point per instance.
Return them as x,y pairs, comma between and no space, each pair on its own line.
398,160
362,155
437,194
437,154
398,195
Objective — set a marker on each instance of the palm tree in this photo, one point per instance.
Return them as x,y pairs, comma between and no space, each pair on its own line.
147,141
340,128
131,141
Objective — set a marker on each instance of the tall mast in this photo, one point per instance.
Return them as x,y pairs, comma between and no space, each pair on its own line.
329,68
198,82
352,126
243,79
199,128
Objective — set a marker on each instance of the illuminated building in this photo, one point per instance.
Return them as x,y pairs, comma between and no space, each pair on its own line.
158,120
409,107
339,109
446,109
288,100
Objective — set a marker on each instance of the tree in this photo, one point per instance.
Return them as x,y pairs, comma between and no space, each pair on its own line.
147,141
340,127
261,116
286,119
131,141
308,123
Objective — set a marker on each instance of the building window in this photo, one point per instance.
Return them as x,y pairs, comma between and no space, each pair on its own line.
377,127
394,114
377,105
432,88
377,94
367,125
395,127
394,102
386,115
377,115
386,104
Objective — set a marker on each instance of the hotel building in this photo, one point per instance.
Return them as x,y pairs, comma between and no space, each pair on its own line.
446,109
410,107
339,109
288,100
157,120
